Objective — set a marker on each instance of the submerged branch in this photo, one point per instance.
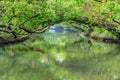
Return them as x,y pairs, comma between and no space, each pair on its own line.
106,40
2,26
5,43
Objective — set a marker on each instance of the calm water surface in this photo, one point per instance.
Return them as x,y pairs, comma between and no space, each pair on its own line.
61,53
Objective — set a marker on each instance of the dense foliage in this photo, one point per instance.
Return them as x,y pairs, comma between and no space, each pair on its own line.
72,54
21,18
18,19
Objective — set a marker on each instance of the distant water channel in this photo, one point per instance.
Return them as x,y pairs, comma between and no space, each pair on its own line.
61,53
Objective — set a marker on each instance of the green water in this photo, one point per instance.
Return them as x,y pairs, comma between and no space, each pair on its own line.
60,56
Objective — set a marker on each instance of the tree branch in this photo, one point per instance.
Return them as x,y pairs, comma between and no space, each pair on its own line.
116,21
36,15
6,31
2,26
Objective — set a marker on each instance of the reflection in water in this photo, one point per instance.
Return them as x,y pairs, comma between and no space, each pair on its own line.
67,56
59,58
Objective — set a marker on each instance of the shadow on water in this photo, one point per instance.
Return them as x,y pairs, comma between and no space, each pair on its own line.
61,53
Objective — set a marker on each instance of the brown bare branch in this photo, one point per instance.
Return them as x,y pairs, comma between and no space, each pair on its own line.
34,31
116,21
6,31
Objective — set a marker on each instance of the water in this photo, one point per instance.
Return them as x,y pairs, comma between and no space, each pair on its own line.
60,55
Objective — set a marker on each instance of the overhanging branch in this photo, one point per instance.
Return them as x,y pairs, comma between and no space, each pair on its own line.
116,21
34,16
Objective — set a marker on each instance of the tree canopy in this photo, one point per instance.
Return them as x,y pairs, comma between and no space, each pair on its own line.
21,18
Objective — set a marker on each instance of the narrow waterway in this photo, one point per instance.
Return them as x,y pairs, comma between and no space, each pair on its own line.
61,53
